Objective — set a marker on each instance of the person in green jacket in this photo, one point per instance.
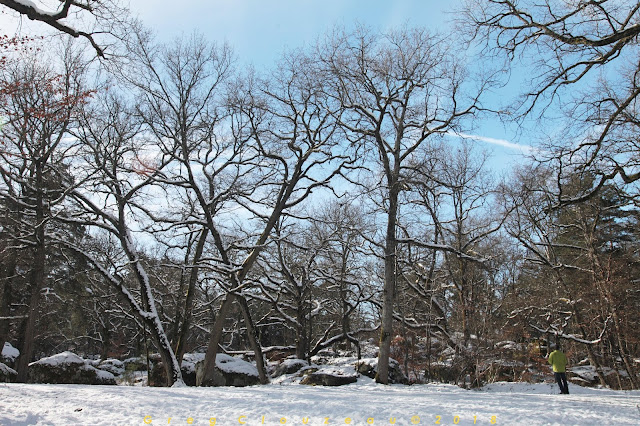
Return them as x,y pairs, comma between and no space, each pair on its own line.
558,360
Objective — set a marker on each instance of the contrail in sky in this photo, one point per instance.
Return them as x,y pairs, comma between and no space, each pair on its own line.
526,149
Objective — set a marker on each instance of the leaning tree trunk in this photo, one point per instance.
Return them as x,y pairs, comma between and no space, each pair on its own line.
150,315
208,369
181,344
206,376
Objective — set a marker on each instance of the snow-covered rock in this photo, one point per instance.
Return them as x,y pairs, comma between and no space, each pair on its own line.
7,374
290,366
158,375
112,365
67,367
369,368
586,375
229,371
509,345
329,377
342,371
135,364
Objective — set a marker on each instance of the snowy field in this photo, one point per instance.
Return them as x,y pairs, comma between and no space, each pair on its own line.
362,403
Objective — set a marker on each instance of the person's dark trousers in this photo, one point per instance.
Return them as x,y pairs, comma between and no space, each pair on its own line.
561,379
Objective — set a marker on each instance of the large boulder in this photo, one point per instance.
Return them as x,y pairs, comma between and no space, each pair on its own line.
7,374
329,377
369,367
68,367
113,366
158,376
229,371
135,364
290,366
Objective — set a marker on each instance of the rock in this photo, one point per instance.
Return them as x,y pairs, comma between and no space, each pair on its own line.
229,371
7,374
158,376
328,378
135,364
306,371
69,368
369,367
188,373
113,366
290,366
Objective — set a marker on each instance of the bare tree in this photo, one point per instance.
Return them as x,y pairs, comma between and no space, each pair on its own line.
397,90
318,281
585,62
41,103
184,108
571,287
289,122
182,87
254,146
117,171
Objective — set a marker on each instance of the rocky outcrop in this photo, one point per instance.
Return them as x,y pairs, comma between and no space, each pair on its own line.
369,367
113,366
69,368
229,371
328,378
135,364
158,375
290,366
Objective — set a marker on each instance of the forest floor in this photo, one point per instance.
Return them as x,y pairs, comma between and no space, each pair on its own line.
361,403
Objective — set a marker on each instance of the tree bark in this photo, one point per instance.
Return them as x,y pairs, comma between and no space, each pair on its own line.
251,333
214,341
36,281
8,271
389,286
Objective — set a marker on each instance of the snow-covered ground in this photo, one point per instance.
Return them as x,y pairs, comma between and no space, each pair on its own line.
361,403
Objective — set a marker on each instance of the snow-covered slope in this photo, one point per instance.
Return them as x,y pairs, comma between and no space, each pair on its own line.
359,404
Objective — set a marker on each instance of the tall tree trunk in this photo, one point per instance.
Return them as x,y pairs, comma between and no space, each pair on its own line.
7,271
36,280
255,344
389,287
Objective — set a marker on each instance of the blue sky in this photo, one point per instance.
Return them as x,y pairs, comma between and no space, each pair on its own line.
260,30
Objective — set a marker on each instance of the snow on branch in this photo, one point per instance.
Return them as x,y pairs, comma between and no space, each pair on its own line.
442,247
572,337
33,12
